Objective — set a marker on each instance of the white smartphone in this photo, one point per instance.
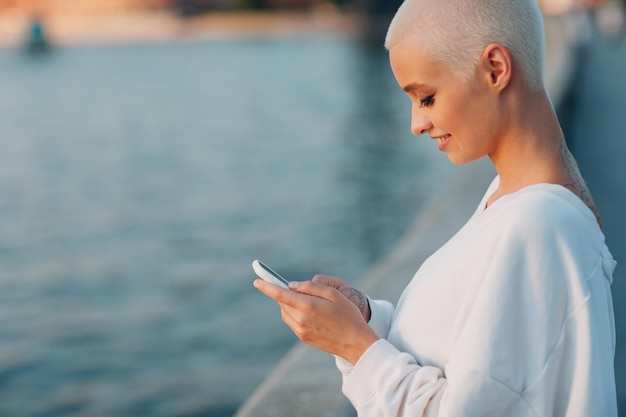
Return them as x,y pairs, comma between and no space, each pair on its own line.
267,274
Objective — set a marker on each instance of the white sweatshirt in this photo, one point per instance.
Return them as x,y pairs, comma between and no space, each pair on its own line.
512,317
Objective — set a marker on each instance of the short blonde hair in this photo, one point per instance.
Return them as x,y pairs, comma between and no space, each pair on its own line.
456,32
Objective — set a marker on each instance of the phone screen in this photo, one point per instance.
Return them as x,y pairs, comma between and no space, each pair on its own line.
274,274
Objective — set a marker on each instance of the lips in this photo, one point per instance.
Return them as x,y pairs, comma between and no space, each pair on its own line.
443,141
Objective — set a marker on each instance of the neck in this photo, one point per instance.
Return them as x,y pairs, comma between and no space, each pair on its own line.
532,149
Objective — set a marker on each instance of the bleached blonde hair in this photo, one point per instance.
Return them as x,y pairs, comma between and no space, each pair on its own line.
456,32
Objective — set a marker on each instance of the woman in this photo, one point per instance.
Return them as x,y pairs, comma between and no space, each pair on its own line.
513,316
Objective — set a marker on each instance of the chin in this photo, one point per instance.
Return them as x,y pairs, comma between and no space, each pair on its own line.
461,159
456,160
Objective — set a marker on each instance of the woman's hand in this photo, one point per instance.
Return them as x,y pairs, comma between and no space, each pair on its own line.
351,293
321,316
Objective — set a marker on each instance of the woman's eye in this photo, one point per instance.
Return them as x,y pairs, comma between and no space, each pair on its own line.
427,101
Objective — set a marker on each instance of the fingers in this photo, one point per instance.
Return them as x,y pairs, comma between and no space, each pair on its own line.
322,317
296,295
274,292
315,289
329,281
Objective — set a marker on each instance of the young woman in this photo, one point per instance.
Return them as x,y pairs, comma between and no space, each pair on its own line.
513,316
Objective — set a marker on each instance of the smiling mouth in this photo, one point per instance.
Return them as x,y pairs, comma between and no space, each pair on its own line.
443,141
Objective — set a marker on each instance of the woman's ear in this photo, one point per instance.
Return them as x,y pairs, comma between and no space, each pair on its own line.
497,66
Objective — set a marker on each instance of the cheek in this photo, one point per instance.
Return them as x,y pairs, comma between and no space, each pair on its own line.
455,119
472,134
473,116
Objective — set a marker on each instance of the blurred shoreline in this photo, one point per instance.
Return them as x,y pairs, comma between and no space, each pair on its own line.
162,26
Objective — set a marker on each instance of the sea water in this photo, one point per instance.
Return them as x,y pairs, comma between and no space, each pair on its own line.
139,182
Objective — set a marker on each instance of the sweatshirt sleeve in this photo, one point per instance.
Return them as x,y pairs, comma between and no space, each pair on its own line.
508,356
381,313
386,382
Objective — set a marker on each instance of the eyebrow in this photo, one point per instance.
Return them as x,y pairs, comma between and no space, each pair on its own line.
413,86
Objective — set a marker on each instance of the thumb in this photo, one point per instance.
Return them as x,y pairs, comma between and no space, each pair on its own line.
329,281
314,289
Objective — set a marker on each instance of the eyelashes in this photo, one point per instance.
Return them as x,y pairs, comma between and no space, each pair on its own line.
427,101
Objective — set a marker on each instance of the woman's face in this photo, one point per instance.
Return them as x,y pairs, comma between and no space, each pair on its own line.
458,113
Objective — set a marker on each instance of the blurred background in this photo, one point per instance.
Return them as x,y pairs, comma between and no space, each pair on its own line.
151,149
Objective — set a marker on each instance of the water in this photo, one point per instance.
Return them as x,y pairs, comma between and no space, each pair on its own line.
137,185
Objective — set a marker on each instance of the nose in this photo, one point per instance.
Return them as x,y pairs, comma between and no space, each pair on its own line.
420,124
